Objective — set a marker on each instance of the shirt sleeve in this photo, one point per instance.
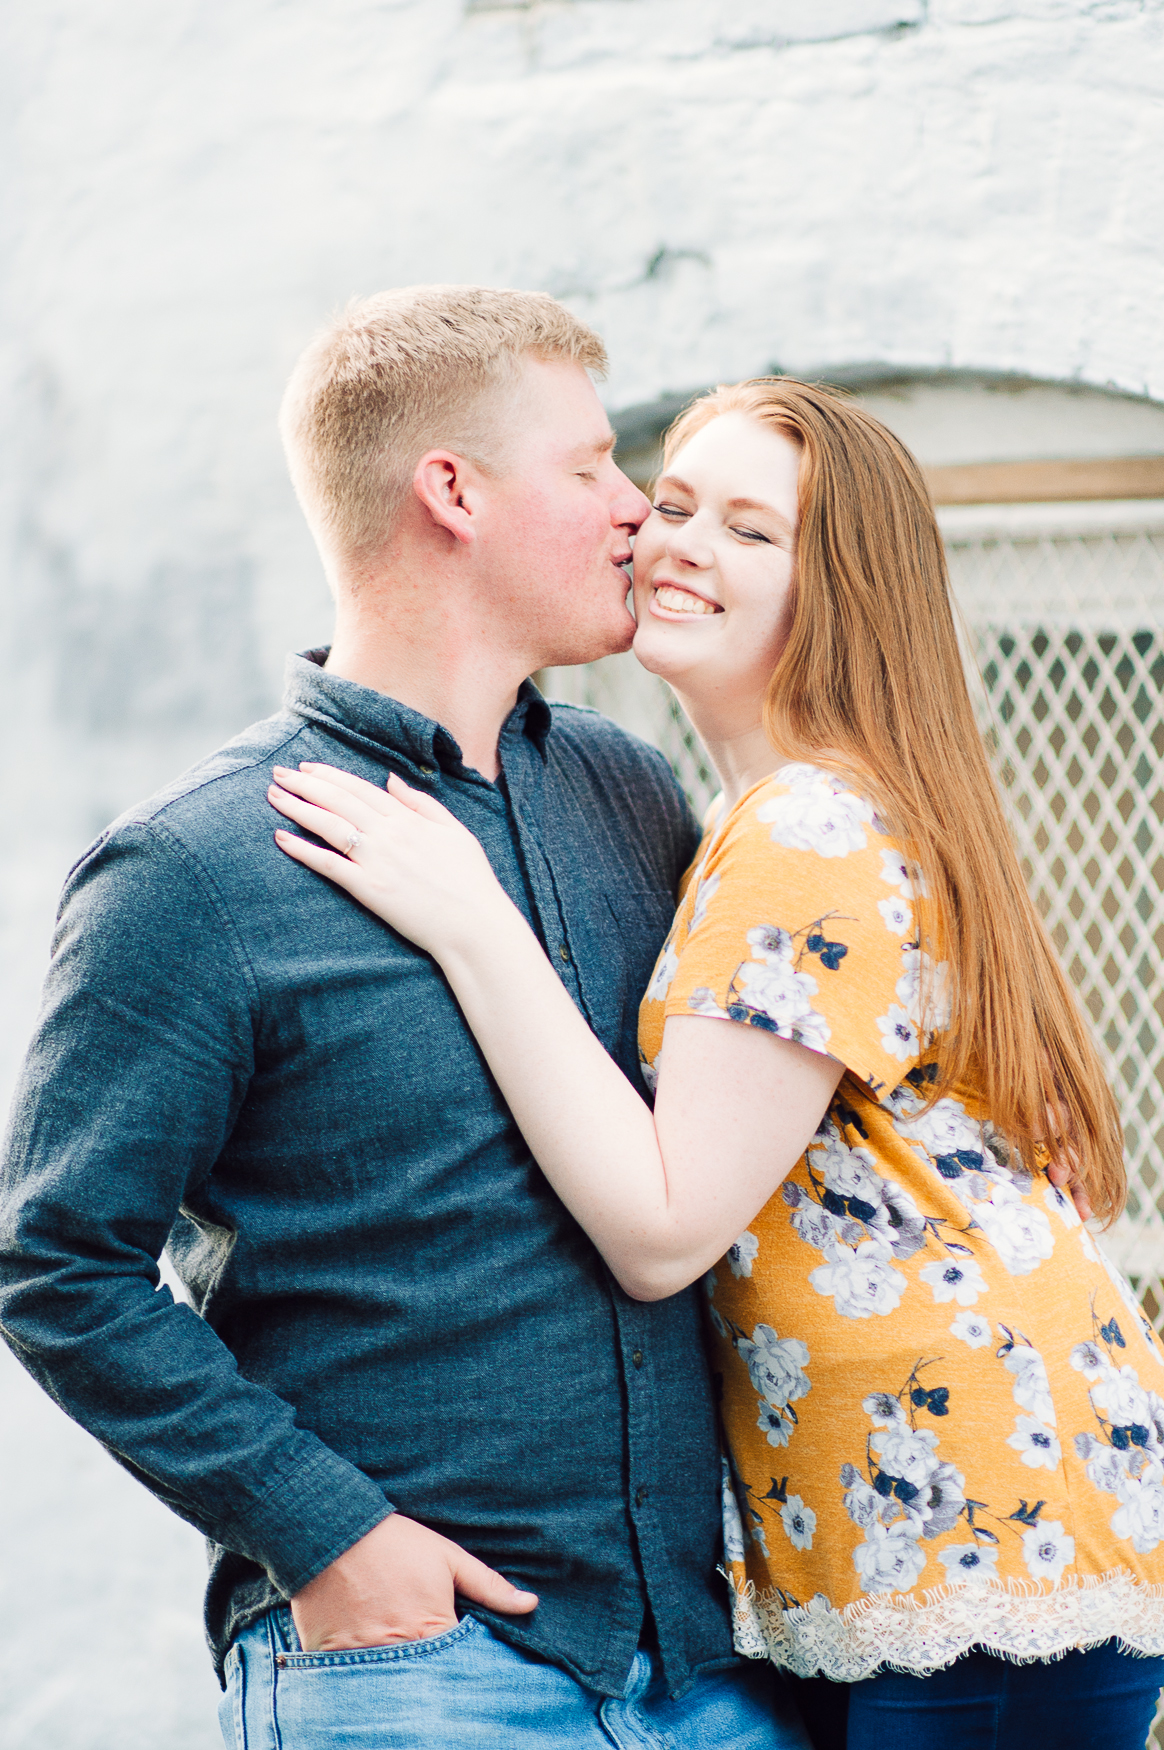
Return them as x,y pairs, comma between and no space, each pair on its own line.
802,923
139,1064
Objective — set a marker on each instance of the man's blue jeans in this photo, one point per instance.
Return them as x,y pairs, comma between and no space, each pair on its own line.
467,1690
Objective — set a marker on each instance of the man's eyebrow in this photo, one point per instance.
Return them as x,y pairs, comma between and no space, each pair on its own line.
600,447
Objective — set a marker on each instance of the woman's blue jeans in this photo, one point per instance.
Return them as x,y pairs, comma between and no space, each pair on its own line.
1101,1699
468,1690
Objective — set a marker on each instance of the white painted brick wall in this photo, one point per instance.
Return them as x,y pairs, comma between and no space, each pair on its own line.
719,185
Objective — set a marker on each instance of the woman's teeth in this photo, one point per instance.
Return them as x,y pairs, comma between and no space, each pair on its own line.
680,601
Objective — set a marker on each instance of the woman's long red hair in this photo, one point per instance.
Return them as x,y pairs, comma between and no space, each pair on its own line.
871,682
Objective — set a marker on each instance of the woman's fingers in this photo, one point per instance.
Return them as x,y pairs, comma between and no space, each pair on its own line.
427,806
317,771
339,869
362,808
334,829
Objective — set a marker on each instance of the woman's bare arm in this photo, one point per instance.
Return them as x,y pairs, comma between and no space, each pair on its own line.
662,1198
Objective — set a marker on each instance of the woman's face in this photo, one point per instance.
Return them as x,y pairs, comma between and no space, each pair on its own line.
714,564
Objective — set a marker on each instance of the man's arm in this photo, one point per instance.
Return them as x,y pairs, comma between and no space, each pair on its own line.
138,1068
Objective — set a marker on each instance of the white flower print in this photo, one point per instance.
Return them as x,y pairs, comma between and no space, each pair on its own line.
1089,1360
905,876
860,1279
1107,1468
814,1224
817,815
740,1256
889,1560
958,1279
943,1130
973,1329
897,915
970,1564
920,970
775,1425
1061,1206
776,1365
704,895
650,1072
884,1410
1140,1514
1156,1409
1032,1389
899,1035
771,985
1036,1444
663,976
702,1002
862,1502
733,1525
906,1452
850,1172
1019,1233
1047,1550
944,1497
799,1522
1121,1398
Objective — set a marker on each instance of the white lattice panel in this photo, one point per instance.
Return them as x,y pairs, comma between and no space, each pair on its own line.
1064,611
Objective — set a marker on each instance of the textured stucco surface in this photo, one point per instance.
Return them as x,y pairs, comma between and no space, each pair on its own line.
719,185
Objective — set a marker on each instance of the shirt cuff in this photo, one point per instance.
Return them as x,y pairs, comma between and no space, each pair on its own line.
308,1517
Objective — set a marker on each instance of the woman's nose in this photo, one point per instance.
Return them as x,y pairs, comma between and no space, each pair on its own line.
688,545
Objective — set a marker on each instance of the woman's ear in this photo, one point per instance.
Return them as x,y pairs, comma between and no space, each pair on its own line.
445,484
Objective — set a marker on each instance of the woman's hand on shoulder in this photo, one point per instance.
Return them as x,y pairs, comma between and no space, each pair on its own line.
396,850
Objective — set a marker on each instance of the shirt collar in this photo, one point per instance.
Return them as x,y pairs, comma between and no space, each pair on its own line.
372,720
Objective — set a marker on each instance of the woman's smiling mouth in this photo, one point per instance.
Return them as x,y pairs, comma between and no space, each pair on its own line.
676,600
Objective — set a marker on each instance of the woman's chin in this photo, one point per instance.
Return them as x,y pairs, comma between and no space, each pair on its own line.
661,655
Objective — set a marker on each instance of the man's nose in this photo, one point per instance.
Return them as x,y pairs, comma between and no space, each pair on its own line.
630,508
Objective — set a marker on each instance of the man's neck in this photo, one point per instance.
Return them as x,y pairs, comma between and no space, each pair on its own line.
460,682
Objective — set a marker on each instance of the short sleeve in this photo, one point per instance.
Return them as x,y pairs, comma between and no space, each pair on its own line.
800,920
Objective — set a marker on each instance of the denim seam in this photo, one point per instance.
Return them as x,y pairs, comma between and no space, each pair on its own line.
400,1653
269,1629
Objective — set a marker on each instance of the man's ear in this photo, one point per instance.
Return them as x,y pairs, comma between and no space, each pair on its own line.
448,489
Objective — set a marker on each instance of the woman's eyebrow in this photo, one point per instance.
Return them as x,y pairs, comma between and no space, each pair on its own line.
674,480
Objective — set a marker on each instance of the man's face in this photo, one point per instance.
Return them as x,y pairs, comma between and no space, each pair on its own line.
561,516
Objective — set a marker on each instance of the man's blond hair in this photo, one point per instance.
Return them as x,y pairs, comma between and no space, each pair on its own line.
404,372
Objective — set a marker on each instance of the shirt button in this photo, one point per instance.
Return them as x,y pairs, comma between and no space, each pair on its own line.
563,951
640,1496
637,1358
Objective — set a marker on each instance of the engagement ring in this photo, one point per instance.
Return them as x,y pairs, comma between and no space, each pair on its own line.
355,839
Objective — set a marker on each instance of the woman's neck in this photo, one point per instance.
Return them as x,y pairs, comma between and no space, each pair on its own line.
740,752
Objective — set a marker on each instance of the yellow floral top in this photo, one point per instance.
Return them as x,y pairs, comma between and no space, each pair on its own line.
940,1401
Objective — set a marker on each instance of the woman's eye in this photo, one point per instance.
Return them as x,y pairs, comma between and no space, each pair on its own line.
671,511
751,535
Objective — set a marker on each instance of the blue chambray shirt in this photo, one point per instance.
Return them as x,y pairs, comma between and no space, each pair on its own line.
393,1306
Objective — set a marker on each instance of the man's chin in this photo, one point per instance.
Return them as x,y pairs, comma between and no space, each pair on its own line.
592,646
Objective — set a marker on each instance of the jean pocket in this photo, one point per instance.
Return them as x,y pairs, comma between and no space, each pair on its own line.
394,1652
398,1697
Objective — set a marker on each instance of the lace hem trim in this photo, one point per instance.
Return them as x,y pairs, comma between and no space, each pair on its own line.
1019,1620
